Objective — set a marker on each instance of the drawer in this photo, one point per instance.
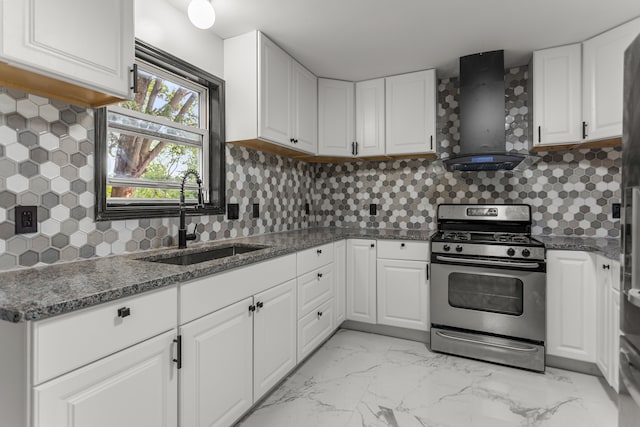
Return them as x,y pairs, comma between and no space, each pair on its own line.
70,341
314,328
208,294
315,288
311,259
409,250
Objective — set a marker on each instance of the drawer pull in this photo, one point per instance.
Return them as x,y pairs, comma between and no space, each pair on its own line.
319,314
606,267
319,251
402,245
124,312
319,275
373,245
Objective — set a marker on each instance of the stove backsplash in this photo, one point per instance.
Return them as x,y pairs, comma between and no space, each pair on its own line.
571,191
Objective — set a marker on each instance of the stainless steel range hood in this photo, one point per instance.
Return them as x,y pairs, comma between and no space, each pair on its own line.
482,116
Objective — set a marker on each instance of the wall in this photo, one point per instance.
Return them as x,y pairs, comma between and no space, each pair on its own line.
571,192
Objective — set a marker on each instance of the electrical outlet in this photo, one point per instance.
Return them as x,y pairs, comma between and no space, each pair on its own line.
233,211
256,210
615,210
26,219
373,209
307,208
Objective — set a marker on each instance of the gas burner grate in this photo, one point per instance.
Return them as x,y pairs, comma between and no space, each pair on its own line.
458,236
510,238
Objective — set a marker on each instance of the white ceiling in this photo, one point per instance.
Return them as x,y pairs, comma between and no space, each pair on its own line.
362,39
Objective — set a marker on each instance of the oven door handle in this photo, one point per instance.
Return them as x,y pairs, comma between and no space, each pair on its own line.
489,344
489,262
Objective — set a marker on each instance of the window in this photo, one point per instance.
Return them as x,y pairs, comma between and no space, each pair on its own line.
144,146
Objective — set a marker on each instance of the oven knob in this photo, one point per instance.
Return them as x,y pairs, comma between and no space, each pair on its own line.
511,252
446,248
458,248
526,253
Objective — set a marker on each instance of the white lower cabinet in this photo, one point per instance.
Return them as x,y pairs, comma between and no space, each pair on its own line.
136,387
571,305
274,336
361,280
314,328
217,349
340,271
403,294
608,318
231,357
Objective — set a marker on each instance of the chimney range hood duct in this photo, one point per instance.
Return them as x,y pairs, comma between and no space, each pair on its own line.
482,116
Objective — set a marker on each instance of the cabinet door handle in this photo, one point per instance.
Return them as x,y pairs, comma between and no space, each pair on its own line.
134,72
124,312
353,148
584,130
319,314
319,251
539,133
431,142
178,358
259,304
606,266
373,245
402,245
252,308
319,275
356,148
427,268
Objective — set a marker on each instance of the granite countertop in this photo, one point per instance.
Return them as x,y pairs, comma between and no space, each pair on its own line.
41,292
608,247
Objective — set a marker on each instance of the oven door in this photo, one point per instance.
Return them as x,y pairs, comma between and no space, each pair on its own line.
488,298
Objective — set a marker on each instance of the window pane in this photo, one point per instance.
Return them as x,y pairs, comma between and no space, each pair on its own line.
116,194
158,96
147,162
152,128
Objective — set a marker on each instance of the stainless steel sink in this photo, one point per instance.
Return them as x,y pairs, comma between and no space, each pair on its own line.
208,255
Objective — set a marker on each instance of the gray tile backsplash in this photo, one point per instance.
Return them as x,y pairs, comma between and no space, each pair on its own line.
47,155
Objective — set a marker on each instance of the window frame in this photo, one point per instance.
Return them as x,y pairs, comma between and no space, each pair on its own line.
213,154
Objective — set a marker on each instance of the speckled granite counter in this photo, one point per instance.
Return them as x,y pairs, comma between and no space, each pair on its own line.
42,292
610,248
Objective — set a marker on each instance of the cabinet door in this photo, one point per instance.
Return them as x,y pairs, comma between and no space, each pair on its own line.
340,269
411,113
571,305
557,75
274,97
603,68
217,367
361,280
370,117
90,43
304,108
336,120
136,387
604,328
274,336
615,347
403,294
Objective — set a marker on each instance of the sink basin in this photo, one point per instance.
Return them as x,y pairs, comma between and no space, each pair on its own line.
211,254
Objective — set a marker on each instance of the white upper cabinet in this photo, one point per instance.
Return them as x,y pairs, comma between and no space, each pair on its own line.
269,96
557,95
411,113
336,124
86,43
274,92
304,108
370,115
603,63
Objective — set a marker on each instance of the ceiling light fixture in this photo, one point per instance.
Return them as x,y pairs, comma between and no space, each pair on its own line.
201,14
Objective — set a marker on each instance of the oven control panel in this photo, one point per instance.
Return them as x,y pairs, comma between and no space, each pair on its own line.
502,251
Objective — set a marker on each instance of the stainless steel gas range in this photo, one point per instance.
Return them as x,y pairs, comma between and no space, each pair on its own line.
488,285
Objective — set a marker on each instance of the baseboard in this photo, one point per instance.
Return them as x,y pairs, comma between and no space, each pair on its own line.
572,365
390,331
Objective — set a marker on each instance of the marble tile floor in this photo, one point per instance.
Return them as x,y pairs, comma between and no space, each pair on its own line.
364,380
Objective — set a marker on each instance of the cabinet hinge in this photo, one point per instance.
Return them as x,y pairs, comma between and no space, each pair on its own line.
178,359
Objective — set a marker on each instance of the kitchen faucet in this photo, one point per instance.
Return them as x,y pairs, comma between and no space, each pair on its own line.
183,236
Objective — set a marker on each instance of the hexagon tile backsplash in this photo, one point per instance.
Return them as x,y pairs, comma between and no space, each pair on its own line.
46,159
